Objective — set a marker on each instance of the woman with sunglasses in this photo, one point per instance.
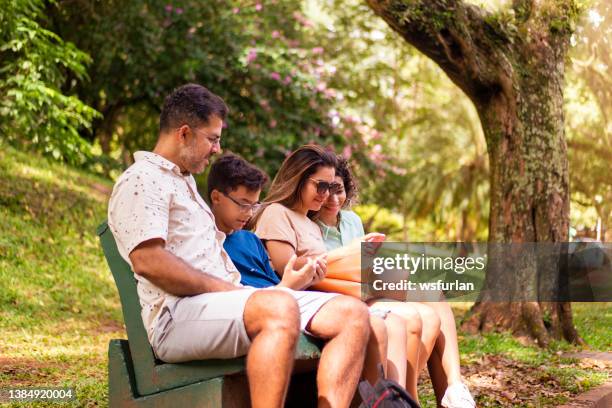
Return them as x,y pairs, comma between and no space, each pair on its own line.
340,227
303,183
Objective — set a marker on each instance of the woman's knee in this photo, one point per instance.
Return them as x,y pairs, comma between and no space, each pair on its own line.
396,326
431,319
412,319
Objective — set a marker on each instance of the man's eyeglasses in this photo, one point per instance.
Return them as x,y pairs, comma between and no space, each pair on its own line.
213,140
244,207
325,186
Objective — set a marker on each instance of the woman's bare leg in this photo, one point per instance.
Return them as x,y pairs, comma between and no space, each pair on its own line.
430,334
446,346
414,327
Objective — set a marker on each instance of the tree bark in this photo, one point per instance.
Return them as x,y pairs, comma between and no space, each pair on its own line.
511,65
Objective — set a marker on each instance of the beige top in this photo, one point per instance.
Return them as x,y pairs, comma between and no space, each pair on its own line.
152,199
279,223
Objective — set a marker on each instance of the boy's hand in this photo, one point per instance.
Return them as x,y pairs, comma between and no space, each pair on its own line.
299,279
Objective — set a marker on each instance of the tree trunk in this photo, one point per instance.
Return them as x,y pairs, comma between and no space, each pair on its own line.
513,72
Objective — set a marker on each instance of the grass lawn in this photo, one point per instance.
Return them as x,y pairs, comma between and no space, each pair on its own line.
59,306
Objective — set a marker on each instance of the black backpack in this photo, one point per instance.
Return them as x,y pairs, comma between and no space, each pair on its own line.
385,394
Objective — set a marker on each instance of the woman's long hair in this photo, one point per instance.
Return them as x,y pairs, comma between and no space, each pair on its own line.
286,188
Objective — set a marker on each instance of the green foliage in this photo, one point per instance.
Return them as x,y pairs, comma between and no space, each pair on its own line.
35,63
254,55
588,101
379,219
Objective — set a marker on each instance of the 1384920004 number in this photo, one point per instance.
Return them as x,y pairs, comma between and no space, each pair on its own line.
22,394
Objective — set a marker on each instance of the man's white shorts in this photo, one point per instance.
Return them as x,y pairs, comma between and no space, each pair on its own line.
211,325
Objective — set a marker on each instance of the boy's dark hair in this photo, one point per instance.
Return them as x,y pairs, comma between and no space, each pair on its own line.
231,171
190,104
343,170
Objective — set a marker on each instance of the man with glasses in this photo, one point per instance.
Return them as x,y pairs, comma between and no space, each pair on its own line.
193,304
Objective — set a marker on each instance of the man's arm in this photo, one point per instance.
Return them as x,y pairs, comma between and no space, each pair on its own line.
168,272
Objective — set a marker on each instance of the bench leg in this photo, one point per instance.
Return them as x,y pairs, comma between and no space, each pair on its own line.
206,394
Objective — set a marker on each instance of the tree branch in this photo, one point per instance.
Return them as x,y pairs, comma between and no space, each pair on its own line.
457,37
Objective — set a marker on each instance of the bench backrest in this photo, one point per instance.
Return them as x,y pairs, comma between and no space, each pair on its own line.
151,375
140,348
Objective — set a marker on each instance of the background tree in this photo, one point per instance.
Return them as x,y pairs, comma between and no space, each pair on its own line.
511,64
35,63
253,54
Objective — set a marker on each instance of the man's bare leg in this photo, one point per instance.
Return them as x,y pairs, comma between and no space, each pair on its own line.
272,321
345,322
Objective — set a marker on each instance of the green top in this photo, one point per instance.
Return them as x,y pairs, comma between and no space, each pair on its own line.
349,228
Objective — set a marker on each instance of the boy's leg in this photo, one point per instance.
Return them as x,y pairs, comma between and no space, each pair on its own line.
345,322
396,348
376,350
272,321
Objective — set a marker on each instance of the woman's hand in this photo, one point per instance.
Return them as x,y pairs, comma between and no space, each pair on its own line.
321,268
373,242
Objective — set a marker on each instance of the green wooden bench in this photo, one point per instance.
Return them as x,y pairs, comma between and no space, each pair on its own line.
137,379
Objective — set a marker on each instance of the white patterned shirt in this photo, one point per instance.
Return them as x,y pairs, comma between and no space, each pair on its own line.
152,199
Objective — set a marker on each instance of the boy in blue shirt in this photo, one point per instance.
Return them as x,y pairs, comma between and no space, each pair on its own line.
234,186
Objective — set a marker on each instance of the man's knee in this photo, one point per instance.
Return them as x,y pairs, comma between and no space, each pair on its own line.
272,310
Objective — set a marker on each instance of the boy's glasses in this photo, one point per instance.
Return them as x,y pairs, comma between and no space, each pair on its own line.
244,207
325,186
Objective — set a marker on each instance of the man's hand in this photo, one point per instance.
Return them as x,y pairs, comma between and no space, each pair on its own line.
301,278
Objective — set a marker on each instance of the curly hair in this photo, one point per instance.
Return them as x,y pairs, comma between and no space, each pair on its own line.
231,171
343,170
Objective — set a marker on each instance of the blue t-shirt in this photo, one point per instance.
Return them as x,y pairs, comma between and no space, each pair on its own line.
250,257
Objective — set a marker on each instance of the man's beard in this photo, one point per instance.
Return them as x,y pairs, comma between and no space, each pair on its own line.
192,164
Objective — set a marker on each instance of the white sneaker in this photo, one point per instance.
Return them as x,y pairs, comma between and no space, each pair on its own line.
457,395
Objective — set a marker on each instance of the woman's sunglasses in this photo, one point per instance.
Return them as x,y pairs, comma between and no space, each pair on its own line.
325,186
